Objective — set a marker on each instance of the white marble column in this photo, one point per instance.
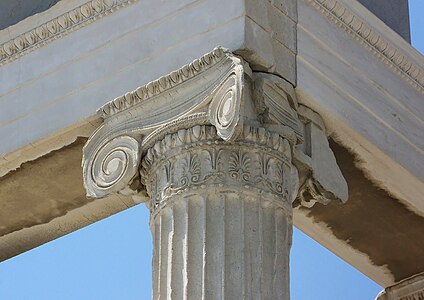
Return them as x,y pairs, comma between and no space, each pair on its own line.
221,214
219,154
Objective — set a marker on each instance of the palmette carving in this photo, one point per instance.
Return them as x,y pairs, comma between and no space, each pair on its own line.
239,166
259,160
191,170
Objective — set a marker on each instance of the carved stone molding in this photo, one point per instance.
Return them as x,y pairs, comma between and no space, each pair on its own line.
373,41
197,158
210,197
171,82
58,27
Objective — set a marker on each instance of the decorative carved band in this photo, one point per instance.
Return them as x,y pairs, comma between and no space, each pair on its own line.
198,158
201,118
372,40
58,27
163,84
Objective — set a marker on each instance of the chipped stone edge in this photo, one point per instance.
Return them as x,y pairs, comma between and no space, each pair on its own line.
58,27
373,41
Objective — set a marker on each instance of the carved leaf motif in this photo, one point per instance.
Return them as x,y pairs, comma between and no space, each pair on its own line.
271,174
203,159
239,166
213,157
264,164
166,187
214,171
279,177
191,169
169,167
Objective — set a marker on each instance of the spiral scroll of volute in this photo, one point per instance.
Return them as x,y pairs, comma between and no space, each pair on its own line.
224,110
111,166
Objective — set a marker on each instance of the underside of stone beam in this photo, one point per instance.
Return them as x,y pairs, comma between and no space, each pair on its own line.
44,199
363,229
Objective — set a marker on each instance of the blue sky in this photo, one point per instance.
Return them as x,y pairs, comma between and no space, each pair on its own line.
111,259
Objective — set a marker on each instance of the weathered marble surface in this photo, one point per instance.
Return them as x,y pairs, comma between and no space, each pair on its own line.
365,82
220,154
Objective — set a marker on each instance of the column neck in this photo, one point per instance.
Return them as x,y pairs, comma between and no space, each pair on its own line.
197,158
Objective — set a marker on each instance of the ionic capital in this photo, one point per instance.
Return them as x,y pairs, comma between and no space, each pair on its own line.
207,91
217,119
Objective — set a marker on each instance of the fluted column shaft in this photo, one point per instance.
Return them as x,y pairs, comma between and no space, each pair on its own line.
220,215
